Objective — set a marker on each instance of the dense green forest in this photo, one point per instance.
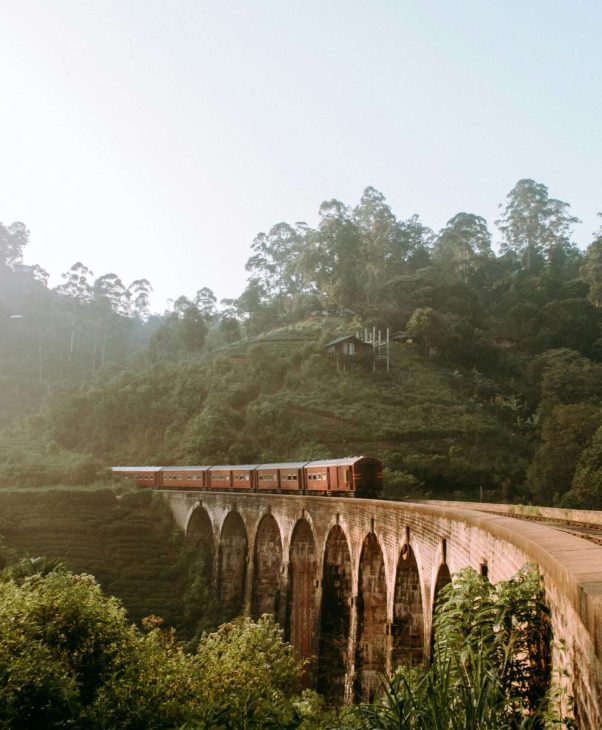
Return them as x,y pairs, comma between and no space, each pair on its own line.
69,657
495,385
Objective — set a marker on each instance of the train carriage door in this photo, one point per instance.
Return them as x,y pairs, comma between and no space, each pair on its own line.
331,475
343,478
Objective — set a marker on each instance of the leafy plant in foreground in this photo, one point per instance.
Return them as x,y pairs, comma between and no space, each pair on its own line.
491,663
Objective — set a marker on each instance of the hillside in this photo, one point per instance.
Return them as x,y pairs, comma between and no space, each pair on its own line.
280,397
127,541
499,393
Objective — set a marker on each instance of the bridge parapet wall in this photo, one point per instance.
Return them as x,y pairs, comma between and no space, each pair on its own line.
437,535
580,516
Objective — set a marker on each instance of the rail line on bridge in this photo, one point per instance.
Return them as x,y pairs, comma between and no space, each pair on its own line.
357,579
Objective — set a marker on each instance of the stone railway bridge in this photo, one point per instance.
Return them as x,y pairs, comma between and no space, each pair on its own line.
354,582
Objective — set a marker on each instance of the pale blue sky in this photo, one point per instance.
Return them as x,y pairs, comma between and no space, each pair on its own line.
156,139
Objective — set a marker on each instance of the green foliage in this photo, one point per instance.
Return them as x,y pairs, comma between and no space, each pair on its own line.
566,433
121,385
533,224
69,658
491,663
399,484
586,488
61,640
427,327
591,271
247,676
7,555
463,245
128,541
280,398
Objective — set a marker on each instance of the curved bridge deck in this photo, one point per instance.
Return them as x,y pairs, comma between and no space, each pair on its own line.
354,581
581,523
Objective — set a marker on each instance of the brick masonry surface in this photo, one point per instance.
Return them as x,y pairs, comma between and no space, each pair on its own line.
380,572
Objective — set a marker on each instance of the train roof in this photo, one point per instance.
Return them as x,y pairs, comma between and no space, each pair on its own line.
136,468
186,468
345,461
233,467
289,465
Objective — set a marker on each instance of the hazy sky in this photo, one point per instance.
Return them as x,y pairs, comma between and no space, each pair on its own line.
157,138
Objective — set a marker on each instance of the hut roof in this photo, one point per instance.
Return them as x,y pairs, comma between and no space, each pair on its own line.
346,338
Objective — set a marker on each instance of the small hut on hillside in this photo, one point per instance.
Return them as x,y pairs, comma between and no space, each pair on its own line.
348,351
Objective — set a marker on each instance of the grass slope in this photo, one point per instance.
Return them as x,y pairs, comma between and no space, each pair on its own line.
279,397
127,542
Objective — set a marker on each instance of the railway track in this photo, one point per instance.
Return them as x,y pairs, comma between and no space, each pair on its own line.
586,530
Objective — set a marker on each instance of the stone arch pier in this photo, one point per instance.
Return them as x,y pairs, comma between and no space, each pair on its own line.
354,582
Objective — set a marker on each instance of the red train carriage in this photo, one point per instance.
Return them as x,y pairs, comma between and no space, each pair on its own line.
280,477
143,476
359,476
367,476
232,476
356,476
186,477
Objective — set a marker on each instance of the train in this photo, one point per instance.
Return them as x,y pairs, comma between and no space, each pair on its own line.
351,476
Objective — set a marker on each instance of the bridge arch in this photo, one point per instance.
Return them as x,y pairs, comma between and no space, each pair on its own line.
570,566
335,614
407,629
302,608
267,569
371,639
442,579
232,564
199,531
199,528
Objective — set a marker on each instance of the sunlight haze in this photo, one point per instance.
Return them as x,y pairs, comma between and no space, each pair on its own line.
156,139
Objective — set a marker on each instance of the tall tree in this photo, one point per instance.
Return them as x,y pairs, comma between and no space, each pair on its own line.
591,271
13,239
138,295
381,242
109,291
275,261
76,293
532,223
205,300
463,244
77,283
417,242
336,257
